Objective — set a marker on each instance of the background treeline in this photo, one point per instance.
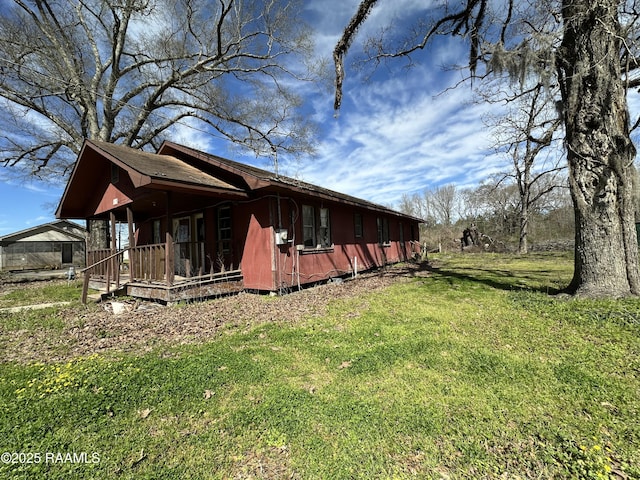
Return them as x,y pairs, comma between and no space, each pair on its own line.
495,208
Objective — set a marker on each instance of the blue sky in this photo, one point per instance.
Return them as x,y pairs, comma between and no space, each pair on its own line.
400,132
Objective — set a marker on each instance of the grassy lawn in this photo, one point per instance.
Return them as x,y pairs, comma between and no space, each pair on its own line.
472,372
50,292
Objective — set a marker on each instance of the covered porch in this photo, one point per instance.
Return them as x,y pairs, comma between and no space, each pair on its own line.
177,269
176,243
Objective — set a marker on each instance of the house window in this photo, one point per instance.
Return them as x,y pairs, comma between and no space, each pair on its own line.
316,229
383,231
308,226
324,231
199,218
224,230
357,225
182,230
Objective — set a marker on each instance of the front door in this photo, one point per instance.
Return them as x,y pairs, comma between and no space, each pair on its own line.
67,253
188,234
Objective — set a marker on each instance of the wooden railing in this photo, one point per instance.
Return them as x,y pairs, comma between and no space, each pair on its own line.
96,261
190,258
148,262
105,264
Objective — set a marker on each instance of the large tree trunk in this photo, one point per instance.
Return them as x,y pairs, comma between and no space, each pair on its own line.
98,238
523,244
599,150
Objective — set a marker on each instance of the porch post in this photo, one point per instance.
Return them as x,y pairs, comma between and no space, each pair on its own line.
169,250
114,249
132,244
169,259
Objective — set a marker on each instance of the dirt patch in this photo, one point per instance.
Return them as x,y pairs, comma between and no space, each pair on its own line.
144,326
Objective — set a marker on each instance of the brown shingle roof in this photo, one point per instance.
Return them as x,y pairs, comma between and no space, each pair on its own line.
161,167
268,178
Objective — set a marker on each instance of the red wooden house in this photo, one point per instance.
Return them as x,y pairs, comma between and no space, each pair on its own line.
195,219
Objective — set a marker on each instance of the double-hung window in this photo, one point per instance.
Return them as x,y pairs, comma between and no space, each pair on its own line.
383,231
224,230
316,227
308,226
324,228
357,225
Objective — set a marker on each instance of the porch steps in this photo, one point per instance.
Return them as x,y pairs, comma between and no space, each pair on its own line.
182,289
100,292
188,289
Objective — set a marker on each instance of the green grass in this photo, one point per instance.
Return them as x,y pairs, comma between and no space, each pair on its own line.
474,372
48,293
46,321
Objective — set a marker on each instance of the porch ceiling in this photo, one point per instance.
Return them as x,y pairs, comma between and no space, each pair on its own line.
153,203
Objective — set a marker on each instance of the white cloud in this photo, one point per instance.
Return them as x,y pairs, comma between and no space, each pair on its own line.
396,136
402,131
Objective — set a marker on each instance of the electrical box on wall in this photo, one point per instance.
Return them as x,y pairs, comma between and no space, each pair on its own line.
281,237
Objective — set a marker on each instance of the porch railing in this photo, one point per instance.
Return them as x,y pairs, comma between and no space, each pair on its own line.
97,261
105,264
148,262
190,258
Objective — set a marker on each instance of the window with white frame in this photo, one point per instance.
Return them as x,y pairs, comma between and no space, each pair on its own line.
316,227
308,226
324,230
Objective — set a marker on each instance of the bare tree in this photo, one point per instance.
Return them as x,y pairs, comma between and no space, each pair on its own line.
127,71
444,201
410,204
587,48
435,206
501,204
524,134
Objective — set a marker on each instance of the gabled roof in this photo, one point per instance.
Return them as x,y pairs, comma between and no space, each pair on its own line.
47,232
146,168
257,178
191,171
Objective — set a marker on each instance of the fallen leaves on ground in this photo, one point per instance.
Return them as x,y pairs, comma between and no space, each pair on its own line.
94,329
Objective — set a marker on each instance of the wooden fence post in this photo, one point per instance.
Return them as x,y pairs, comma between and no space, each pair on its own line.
85,287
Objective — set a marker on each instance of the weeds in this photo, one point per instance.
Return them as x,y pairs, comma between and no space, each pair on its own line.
465,374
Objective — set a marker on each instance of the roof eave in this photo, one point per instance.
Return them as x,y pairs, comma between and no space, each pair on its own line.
163,184
58,213
16,236
341,199
255,182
